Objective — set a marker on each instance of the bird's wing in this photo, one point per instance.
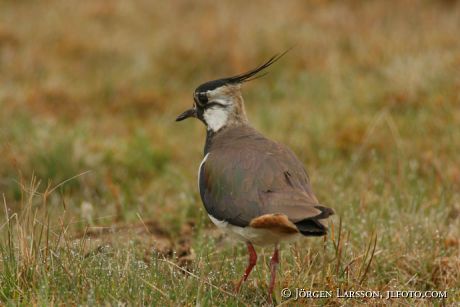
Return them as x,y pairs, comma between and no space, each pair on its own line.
241,183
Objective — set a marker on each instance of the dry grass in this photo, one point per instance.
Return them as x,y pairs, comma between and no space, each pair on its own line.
368,99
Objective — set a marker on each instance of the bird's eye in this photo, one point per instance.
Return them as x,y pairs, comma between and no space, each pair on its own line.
202,98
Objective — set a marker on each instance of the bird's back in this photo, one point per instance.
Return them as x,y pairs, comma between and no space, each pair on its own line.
245,176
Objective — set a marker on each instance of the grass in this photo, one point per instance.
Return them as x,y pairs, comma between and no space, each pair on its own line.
98,182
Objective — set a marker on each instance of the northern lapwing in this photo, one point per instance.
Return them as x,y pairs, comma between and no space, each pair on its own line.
253,188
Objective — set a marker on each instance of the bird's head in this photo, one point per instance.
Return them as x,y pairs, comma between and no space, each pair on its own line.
219,103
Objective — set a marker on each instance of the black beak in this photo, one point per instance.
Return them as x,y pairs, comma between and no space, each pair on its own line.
186,114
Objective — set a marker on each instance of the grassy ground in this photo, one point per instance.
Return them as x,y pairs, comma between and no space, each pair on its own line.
99,183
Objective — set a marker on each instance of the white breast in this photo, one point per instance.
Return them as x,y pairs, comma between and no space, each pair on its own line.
257,236
199,170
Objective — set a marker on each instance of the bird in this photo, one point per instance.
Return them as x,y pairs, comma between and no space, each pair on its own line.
252,188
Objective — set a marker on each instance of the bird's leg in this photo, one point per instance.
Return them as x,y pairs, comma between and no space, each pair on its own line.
251,264
273,265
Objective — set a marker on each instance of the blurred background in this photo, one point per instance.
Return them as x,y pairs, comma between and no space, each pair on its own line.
368,98
96,85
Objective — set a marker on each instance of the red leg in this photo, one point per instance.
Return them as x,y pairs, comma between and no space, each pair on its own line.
273,265
251,264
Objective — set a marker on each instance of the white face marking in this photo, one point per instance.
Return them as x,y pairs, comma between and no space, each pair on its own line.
216,117
219,95
220,106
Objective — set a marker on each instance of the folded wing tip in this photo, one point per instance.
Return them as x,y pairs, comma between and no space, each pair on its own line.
315,226
325,212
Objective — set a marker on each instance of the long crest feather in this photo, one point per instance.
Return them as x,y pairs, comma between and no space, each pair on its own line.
238,79
252,74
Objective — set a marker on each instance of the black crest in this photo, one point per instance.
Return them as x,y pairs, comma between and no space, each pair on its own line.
238,79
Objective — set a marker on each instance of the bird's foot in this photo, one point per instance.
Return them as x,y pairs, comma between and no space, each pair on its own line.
238,285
